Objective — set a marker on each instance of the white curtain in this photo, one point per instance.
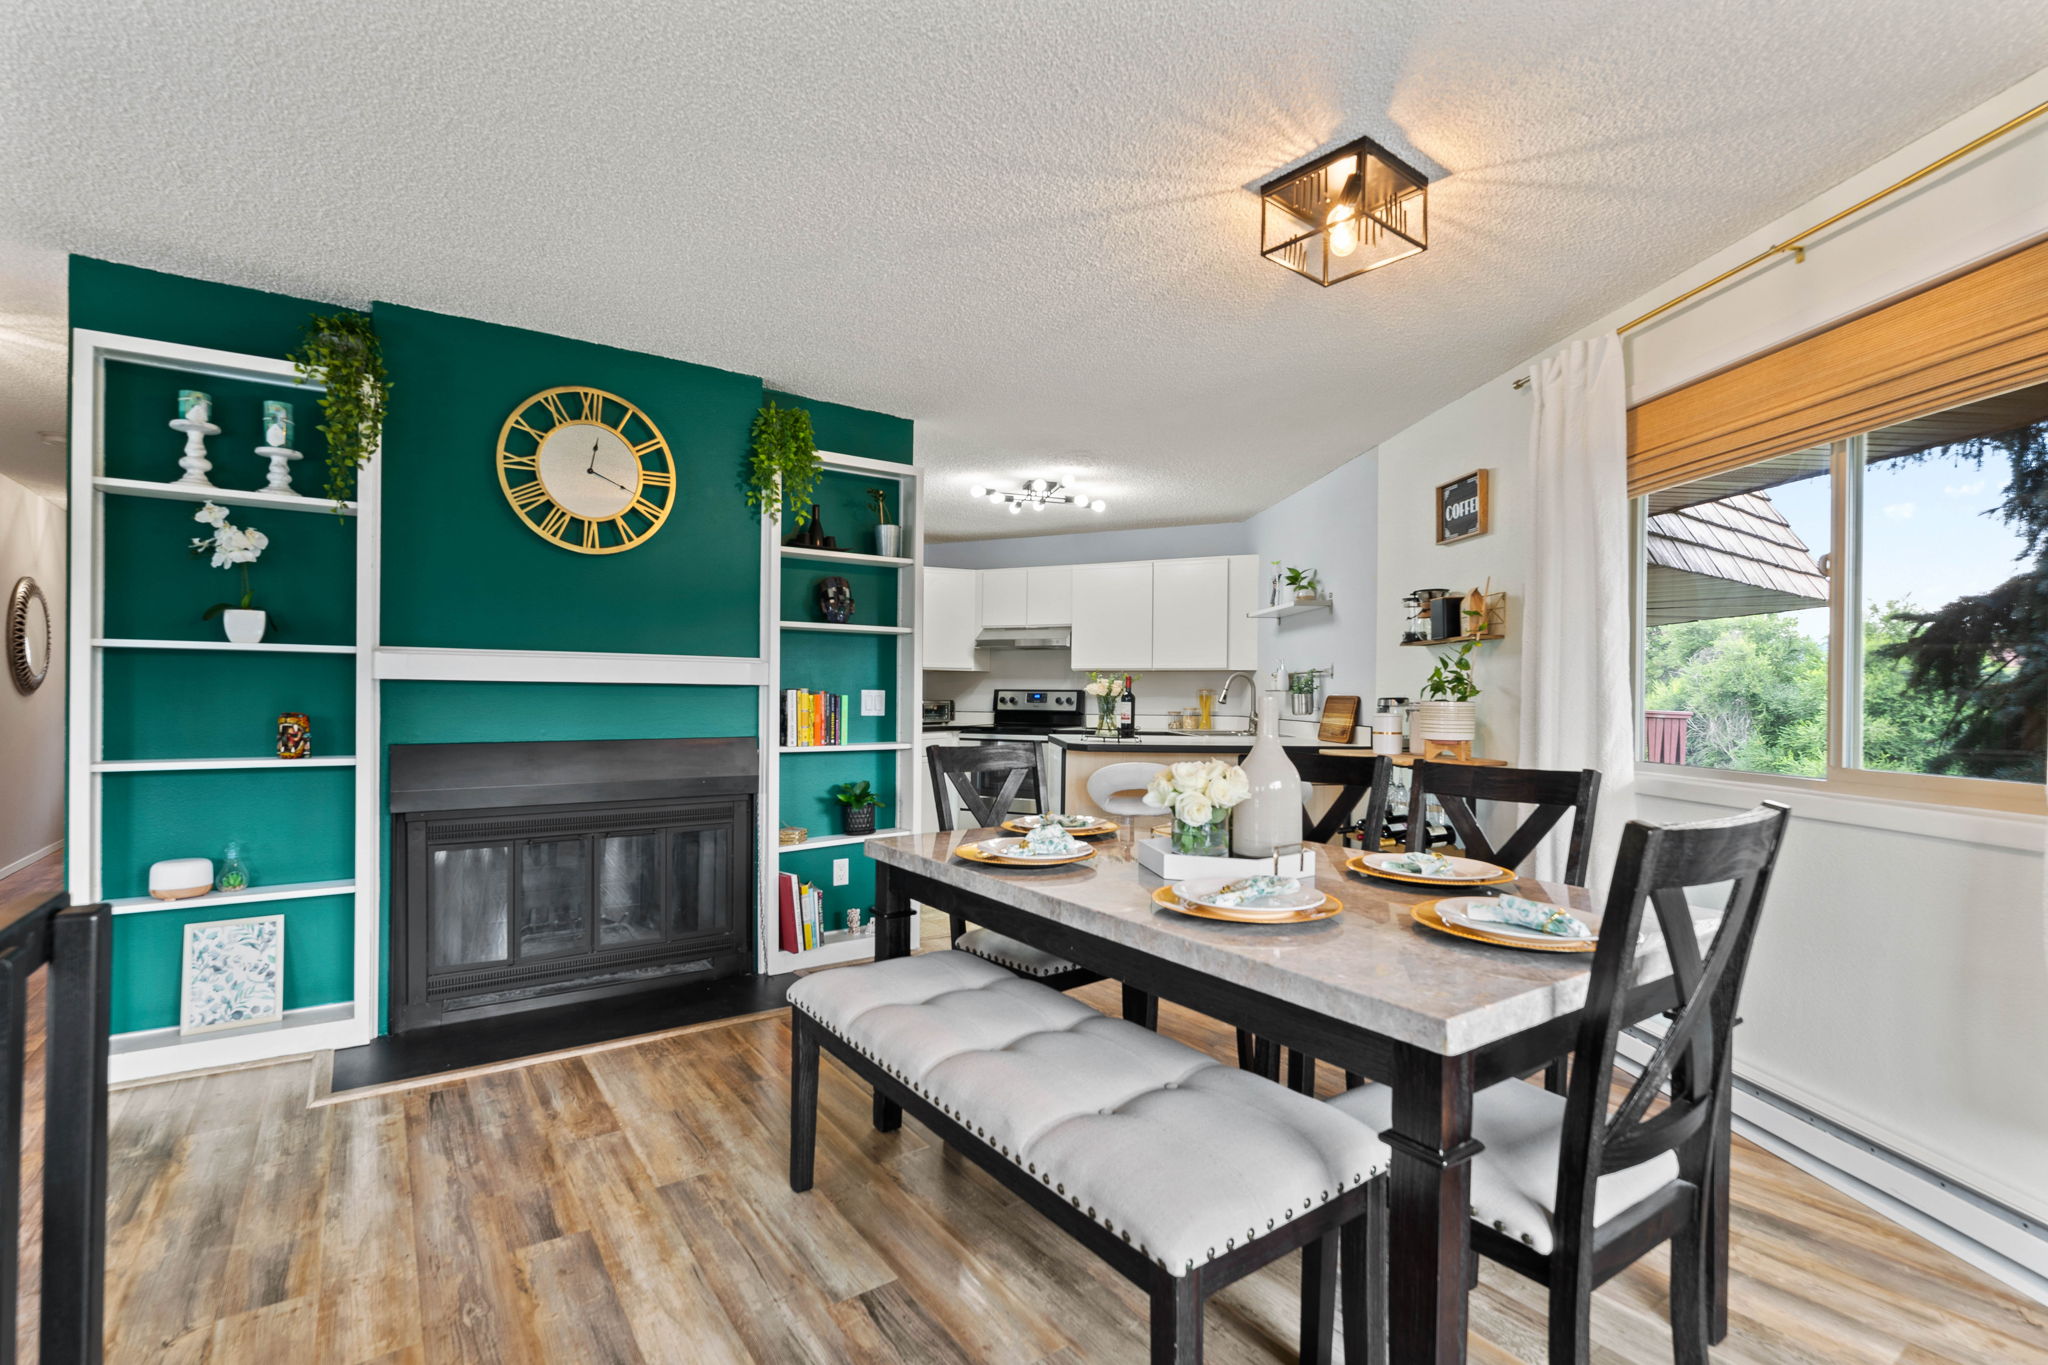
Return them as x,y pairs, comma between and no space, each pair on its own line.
1577,682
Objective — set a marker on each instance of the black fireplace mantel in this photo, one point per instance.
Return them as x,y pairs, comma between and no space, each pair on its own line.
428,777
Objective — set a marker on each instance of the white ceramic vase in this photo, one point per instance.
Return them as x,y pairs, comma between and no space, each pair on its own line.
888,540
1271,815
1447,720
244,627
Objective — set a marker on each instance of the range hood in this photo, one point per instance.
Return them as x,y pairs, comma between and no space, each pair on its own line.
1024,637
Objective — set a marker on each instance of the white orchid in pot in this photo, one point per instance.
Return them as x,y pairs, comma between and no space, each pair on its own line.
232,547
1200,793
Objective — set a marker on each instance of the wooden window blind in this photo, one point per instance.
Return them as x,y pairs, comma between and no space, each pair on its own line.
1973,336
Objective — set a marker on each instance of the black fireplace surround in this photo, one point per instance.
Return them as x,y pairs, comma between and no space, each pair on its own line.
529,875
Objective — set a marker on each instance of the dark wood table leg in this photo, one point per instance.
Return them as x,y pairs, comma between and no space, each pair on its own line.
1717,1229
1429,1210
895,923
1141,1007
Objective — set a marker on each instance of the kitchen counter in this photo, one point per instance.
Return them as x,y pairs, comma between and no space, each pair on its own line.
1152,742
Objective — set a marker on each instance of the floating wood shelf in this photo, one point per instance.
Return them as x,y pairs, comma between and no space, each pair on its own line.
1454,640
1290,609
1496,624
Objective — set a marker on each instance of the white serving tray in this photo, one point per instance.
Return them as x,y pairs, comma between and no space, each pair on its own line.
1156,856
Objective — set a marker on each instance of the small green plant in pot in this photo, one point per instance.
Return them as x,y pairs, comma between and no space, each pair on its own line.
342,353
857,806
1304,584
1449,714
783,468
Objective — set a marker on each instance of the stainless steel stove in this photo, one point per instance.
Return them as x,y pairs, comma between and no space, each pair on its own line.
1028,716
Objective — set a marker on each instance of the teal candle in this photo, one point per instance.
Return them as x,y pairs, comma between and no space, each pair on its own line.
277,424
194,406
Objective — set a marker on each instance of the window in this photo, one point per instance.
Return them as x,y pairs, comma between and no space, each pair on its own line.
1872,611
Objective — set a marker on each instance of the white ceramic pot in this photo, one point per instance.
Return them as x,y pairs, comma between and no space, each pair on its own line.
1271,815
244,627
888,540
1447,720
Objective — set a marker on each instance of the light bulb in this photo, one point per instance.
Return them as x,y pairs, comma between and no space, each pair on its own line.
1342,219
1038,485
1098,504
994,496
1015,508
977,492
1038,507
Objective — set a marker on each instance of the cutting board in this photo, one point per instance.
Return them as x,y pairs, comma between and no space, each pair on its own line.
1340,717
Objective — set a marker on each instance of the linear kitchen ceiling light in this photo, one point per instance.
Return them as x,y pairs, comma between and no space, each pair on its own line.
1350,211
1035,495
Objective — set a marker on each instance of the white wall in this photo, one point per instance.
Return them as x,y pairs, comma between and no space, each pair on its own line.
32,727
1329,526
1089,547
1900,984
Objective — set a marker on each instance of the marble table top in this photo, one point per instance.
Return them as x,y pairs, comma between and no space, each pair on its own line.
1372,966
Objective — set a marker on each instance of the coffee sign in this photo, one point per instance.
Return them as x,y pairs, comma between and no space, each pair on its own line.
1461,508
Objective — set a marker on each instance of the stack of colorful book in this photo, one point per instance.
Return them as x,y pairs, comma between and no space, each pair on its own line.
813,719
803,914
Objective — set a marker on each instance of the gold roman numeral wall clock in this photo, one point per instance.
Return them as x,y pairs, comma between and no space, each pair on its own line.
586,469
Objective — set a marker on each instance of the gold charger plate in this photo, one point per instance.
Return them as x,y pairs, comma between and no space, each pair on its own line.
1166,900
1090,832
973,854
1425,914
1356,863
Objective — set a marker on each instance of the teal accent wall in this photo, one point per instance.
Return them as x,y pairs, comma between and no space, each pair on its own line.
814,865
874,592
141,399
158,590
127,299
462,570
854,431
294,824
174,703
317,966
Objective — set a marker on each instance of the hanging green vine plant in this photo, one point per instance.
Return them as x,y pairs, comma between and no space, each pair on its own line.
342,353
784,467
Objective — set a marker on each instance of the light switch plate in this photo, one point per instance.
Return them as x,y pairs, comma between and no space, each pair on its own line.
842,871
874,702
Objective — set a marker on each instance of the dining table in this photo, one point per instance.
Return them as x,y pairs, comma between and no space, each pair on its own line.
1368,990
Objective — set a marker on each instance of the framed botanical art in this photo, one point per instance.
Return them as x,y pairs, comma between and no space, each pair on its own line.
233,974
1463,508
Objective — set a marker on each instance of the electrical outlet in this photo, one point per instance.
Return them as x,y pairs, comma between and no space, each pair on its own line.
874,702
842,871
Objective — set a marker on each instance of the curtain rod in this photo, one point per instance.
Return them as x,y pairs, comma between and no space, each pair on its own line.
1794,243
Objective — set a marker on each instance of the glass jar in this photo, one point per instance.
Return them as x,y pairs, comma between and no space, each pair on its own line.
1210,840
234,873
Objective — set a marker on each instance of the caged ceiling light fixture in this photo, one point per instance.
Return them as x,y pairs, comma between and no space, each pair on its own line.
1353,210
1037,494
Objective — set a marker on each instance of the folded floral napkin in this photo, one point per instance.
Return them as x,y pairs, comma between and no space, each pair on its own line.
1419,865
1058,821
1528,914
1249,891
1050,841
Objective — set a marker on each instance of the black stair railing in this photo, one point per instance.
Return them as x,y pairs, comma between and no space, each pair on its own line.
73,944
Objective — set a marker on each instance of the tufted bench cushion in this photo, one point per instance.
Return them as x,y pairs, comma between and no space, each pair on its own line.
1008,952
1178,1155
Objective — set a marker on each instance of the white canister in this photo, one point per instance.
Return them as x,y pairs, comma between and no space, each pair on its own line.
1386,731
1271,815
174,879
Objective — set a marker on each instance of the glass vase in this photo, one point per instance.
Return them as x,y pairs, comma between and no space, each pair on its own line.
1105,716
1210,840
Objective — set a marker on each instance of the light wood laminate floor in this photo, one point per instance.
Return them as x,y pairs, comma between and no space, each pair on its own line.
631,1205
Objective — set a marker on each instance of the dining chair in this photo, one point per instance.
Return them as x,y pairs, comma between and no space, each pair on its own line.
971,771
1566,1191
1552,792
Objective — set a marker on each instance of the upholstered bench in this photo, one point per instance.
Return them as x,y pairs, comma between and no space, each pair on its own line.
1182,1173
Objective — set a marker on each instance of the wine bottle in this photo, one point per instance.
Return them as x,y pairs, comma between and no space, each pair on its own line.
1127,711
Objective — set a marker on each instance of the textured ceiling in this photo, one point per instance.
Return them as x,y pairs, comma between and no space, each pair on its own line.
1024,225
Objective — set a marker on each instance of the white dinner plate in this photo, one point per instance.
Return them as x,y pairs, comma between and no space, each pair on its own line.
1014,848
1204,892
1452,908
1462,869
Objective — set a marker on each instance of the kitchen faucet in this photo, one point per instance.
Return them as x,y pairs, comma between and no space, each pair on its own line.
1251,726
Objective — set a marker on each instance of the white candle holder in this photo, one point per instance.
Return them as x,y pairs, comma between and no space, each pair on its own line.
194,461
280,458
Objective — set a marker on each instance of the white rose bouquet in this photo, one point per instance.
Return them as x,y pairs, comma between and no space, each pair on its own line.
229,547
1104,687
1200,793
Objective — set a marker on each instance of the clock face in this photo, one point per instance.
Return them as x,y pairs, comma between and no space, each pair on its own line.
586,470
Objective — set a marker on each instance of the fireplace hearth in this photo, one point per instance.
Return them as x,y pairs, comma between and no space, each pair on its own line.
538,874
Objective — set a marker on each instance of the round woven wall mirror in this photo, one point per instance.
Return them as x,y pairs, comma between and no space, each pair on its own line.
28,635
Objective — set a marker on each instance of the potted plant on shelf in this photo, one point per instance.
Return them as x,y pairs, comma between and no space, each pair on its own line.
857,806
342,353
1305,586
232,547
1449,714
888,535
784,466
1200,793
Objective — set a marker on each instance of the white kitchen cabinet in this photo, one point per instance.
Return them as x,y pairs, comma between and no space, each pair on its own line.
1190,613
1049,596
1005,597
952,618
1112,610
1244,598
